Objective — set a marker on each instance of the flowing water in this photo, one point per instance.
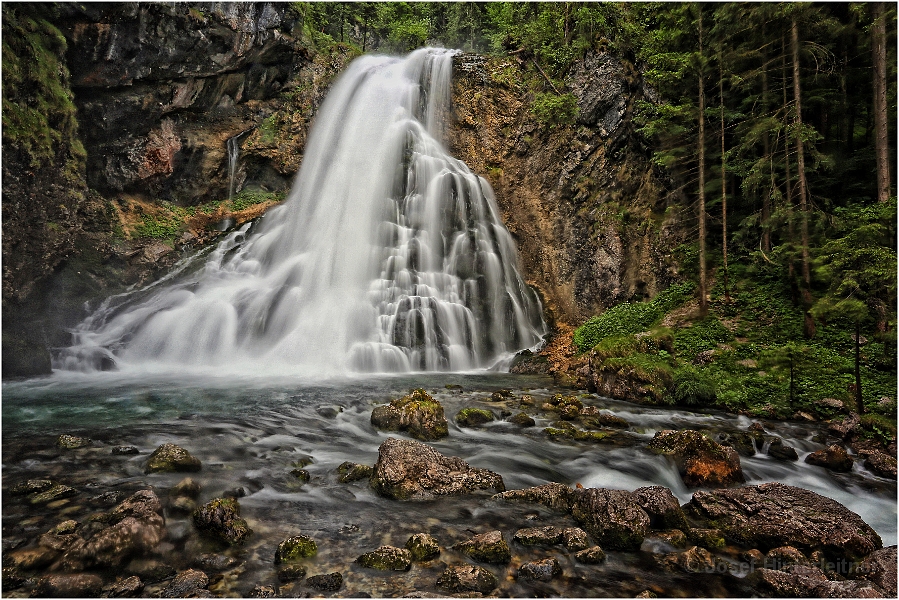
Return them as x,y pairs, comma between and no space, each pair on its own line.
388,256
250,433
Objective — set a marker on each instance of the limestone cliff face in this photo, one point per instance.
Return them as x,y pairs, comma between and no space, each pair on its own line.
582,199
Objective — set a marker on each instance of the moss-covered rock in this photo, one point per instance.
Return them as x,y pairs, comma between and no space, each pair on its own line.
700,460
417,413
55,492
31,486
220,518
329,582
301,474
170,458
590,556
540,570
488,547
423,547
387,558
295,548
348,472
522,420
70,442
473,417
555,496
186,487
672,537
710,539
467,578
562,430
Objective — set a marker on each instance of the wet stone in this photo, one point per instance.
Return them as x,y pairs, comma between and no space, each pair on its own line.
12,579
694,560
487,547
32,486
71,442
186,487
672,537
387,558
214,562
662,507
124,588
263,591
591,556
150,570
349,472
522,420
881,464
575,539
330,582
301,474
532,536
779,558
417,413
701,461
880,569
556,496
106,499
65,527
56,492
423,547
125,450
170,458
182,505
781,451
467,578
295,548
221,519
540,570
187,584
711,539
613,517
473,417
834,458
69,585
289,573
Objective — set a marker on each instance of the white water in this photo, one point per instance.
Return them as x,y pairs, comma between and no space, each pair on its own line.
389,255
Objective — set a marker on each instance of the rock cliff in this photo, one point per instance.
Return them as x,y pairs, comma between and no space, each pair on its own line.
142,99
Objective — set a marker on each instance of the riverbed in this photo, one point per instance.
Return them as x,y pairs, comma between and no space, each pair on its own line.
251,433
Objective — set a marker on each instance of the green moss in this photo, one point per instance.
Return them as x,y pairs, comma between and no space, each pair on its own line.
555,109
472,417
878,427
295,548
566,431
247,198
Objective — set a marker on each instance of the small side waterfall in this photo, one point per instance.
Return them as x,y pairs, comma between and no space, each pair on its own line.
233,146
389,255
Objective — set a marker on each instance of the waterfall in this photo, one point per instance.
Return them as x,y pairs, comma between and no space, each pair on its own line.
233,147
388,255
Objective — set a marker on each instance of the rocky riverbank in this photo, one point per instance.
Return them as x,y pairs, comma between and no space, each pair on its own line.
117,513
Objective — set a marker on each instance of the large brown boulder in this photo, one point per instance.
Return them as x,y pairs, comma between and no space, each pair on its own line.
613,517
880,569
410,470
773,514
417,413
833,457
662,507
807,582
702,462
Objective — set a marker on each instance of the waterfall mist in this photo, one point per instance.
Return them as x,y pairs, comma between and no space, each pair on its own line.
388,256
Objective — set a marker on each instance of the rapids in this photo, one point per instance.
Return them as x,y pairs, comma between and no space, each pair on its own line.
388,256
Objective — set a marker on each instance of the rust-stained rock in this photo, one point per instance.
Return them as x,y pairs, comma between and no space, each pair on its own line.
701,461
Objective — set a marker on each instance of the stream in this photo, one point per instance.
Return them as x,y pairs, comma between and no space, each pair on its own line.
250,433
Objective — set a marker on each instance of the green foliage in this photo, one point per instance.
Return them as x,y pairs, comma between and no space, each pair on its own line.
692,386
247,198
552,109
165,225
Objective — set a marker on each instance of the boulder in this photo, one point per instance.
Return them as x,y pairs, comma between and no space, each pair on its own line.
573,538
773,514
555,496
467,578
387,558
417,413
407,469
349,472
844,428
488,547
673,537
613,517
128,587
422,546
807,582
330,582
74,585
473,417
522,420
540,570
170,458
781,451
134,528
220,518
834,458
881,464
295,548
702,462
188,584
662,507
591,556
880,569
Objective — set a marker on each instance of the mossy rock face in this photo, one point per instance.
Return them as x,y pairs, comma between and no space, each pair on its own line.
604,419
220,518
522,420
417,413
487,547
473,417
423,547
170,458
294,548
387,558
467,578
349,472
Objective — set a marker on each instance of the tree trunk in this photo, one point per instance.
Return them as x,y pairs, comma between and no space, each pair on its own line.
860,405
766,142
803,187
791,269
881,142
723,179
703,301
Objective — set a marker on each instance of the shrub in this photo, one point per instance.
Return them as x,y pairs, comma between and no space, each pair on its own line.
692,386
553,109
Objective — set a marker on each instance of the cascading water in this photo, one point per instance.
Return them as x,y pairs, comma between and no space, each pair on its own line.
233,147
389,255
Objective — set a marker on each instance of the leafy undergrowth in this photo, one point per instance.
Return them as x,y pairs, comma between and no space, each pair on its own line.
747,354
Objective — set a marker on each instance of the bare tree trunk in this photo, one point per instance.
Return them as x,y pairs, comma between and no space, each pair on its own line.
881,142
723,179
787,170
703,284
766,142
803,187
